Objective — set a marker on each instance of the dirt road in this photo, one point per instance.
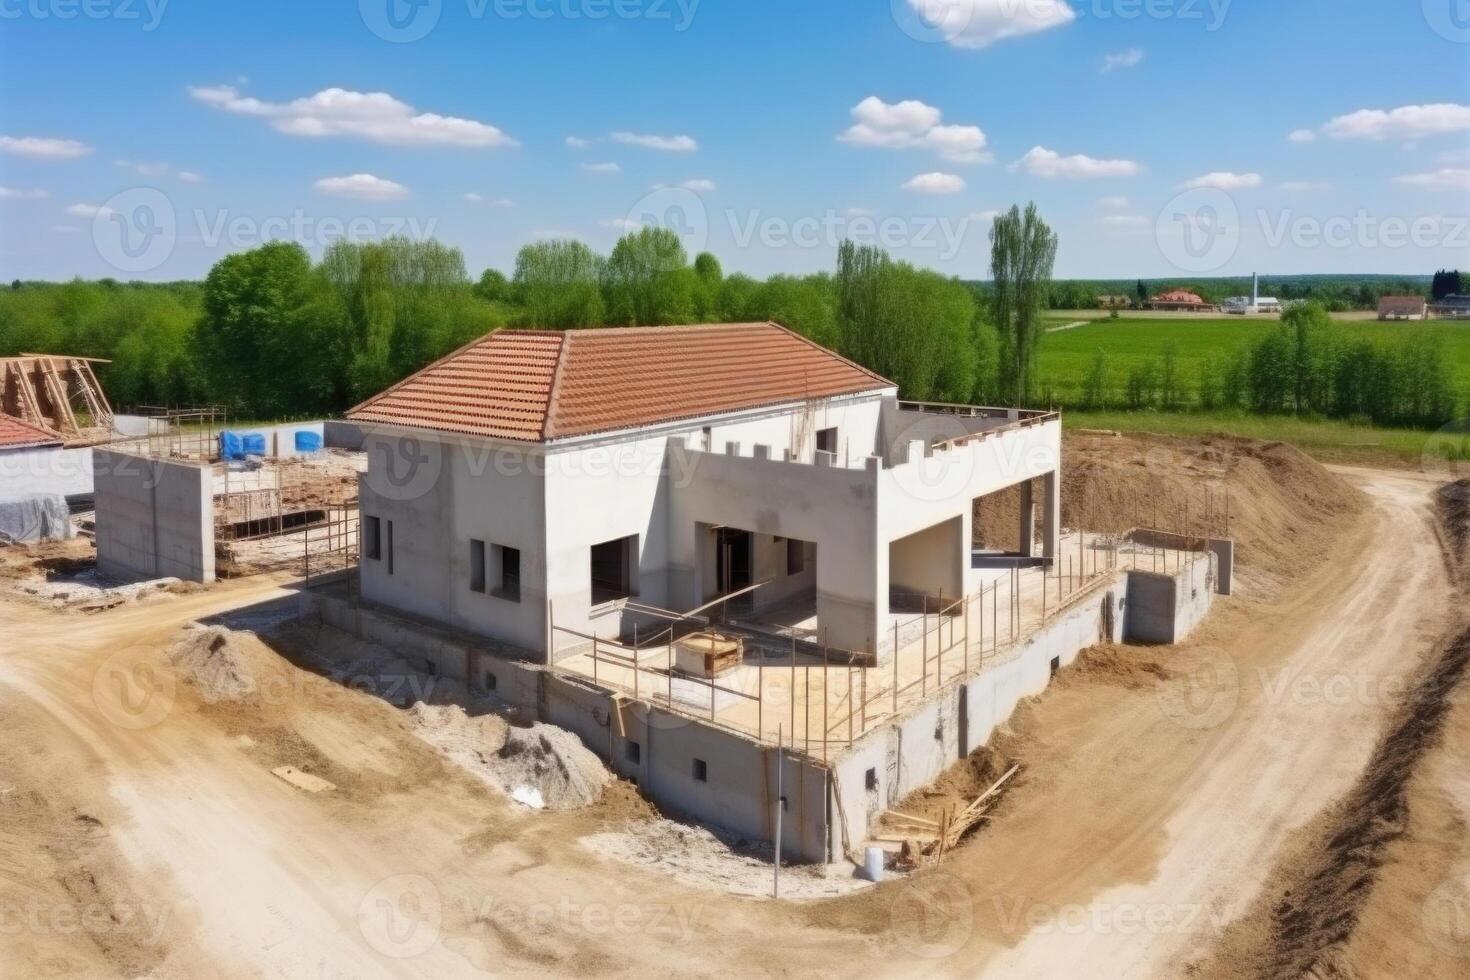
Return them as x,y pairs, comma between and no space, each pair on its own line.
1158,789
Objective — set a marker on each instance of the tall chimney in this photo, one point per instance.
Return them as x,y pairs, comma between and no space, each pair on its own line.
1255,290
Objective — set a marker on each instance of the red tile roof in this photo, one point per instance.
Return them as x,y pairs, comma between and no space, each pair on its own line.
15,434
537,385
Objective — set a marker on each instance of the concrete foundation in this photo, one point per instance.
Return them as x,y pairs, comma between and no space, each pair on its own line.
830,806
155,518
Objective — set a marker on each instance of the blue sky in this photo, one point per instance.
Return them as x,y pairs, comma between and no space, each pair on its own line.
764,130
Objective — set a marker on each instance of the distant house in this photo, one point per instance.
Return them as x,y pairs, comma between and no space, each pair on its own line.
1114,302
1453,307
1179,299
1402,308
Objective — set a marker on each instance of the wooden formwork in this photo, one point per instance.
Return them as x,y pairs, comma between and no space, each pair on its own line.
58,393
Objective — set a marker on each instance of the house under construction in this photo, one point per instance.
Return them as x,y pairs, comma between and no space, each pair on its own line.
58,393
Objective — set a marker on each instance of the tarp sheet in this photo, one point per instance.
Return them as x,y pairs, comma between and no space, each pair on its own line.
38,517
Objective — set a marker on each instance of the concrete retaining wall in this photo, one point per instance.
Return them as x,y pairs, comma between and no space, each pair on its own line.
155,518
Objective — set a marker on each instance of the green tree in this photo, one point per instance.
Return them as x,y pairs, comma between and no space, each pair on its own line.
558,285
1023,251
647,280
1095,388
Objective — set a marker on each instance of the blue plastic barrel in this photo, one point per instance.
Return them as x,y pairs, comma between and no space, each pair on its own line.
307,441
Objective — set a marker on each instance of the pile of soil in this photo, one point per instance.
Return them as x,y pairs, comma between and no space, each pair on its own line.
209,659
1280,499
540,766
703,858
1452,507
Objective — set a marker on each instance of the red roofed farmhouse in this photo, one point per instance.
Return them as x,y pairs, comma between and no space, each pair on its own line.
583,476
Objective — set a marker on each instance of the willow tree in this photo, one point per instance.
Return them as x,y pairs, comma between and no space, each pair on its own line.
1023,251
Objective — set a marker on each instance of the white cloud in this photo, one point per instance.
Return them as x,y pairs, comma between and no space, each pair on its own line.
43,148
1305,186
935,183
373,116
622,224
1127,222
699,185
980,23
985,217
189,177
1115,202
1404,123
500,202
912,124
578,143
1448,179
15,194
602,168
664,144
1302,136
1042,162
89,211
1454,156
1123,59
364,187
1223,180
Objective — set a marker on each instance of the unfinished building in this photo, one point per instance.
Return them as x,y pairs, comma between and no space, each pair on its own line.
195,501
59,393
706,549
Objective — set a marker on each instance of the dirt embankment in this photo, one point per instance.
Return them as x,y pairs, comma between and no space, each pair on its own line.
1273,499
1379,884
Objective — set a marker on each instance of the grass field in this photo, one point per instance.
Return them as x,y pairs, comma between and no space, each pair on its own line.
1327,440
1067,355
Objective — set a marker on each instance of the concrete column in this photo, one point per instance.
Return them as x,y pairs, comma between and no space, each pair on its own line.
1027,531
1051,517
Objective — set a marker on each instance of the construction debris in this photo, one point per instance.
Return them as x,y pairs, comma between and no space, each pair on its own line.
208,658
926,841
542,766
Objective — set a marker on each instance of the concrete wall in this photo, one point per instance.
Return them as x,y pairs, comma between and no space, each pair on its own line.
438,495
829,807
46,471
1165,607
155,518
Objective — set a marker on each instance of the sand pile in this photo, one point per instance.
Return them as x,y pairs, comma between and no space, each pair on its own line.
1280,499
208,658
703,858
542,766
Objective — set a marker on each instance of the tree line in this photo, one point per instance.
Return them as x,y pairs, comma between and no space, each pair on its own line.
270,333
1303,367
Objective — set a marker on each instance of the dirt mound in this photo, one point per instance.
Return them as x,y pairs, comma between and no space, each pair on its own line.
1452,506
1136,668
542,766
209,658
1279,499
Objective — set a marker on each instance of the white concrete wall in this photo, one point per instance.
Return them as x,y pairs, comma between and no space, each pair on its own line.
29,471
440,494
155,518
